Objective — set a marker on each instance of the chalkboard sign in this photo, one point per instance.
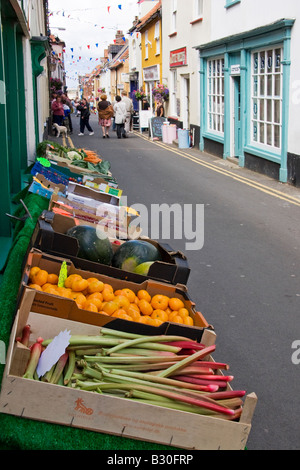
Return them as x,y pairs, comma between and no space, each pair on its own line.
156,124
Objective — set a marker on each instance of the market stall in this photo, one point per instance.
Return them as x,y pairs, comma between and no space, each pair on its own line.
105,347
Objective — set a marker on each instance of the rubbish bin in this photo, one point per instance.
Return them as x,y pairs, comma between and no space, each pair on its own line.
183,138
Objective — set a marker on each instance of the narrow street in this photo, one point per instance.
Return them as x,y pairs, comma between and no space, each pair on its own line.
245,278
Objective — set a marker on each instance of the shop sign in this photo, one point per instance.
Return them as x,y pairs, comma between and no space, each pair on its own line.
236,69
178,57
151,74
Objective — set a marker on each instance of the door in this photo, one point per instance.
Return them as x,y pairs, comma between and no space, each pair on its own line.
186,102
237,135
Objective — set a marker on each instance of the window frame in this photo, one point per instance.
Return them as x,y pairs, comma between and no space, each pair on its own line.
215,118
266,102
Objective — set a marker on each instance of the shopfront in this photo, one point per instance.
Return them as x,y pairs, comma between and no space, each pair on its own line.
244,90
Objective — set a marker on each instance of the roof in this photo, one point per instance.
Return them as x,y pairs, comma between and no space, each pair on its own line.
120,58
151,15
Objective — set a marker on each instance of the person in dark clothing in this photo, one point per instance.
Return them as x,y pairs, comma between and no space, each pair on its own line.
68,102
84,117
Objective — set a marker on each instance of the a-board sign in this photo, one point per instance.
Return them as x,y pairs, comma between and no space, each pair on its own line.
156,124
144,119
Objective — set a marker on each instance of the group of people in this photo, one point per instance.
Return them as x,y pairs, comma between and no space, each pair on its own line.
122,110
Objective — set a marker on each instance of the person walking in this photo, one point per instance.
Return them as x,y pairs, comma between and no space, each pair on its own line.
105,113
66,101
58,112
129,111
84,117
120,117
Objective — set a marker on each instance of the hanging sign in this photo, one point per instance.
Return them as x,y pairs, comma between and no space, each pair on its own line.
178,57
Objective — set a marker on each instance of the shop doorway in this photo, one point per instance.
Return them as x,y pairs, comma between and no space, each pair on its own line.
186,103
236,131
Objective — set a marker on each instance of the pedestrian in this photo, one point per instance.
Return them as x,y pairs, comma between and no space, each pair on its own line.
129,111
58,112
145,104
105,113
160,112
76,104
68,110
120,117
84,117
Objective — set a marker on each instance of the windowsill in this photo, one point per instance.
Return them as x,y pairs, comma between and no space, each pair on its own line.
234,2
173,34
197,20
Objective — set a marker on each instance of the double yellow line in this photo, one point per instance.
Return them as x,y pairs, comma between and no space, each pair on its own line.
242,179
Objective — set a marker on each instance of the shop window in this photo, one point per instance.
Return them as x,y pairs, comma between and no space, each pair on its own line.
198,11
215,87
266,114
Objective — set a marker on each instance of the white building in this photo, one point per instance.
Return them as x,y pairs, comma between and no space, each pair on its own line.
249,85
184,29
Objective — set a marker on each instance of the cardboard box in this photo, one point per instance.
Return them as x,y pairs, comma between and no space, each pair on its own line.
50,236
90,197
113,218
103,412
53,303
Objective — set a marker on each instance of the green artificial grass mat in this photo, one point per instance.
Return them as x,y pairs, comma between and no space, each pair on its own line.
18,433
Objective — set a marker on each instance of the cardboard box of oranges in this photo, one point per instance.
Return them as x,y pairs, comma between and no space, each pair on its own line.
102,299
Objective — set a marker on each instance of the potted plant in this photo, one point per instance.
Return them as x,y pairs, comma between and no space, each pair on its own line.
139,94
161,92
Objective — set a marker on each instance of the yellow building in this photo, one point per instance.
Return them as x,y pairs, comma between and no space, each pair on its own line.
150,28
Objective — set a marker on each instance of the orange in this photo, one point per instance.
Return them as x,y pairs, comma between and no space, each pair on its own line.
188,321
95,295
52,278
173,314
90,306
50,289
33,271
108,286
120,313
160,315
103,313
79,298
91,279
70,279
79,285
95,301
160,301
122,301
143,294
64,292
35,286
129,293
145,319
118,292
95,286
45,286
177,319
134,312
40,277
145,307
183,312
110,307
107,294
175,303
155,322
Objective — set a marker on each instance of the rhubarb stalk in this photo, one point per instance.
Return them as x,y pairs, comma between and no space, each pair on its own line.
187,361
59,368
36,351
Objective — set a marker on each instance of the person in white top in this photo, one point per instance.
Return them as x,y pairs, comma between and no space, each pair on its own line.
129,110
120,116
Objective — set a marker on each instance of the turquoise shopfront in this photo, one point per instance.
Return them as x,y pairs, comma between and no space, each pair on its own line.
244,89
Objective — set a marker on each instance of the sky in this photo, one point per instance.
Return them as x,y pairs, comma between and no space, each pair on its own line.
90,26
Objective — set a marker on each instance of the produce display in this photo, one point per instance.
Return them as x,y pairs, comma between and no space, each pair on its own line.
167,371
97,296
